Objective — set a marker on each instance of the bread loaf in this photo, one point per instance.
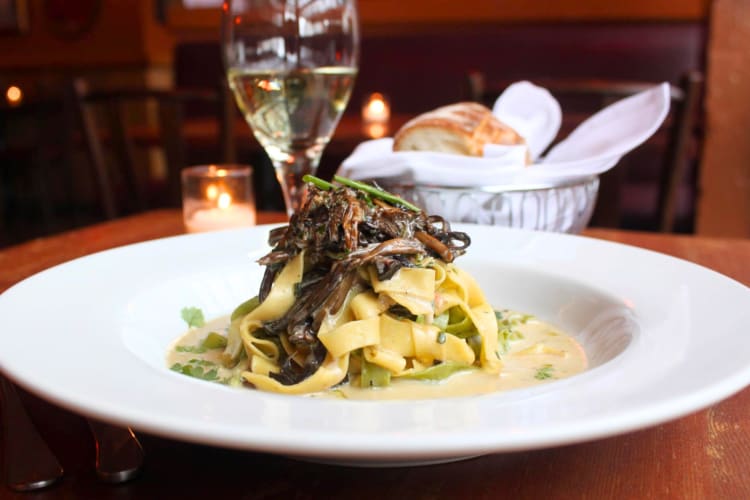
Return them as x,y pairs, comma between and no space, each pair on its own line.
463,128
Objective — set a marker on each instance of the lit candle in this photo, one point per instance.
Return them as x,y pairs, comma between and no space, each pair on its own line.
213,219
14,95
217,198
376,109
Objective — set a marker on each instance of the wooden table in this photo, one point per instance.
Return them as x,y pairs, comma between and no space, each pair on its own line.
703,455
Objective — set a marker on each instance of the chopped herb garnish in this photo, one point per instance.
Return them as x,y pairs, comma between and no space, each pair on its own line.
544,372
214,341
508,318
506,328
193,316
201,362
196,371
195,349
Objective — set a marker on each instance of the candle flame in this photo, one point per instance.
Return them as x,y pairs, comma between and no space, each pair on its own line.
377,105
212,192
225,199
376,109
14,95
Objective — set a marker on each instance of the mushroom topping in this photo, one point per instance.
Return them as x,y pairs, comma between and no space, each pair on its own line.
341,229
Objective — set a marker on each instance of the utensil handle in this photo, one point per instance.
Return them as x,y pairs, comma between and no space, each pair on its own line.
119,454
29,463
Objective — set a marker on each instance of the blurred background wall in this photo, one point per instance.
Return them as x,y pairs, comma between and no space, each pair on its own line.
419,52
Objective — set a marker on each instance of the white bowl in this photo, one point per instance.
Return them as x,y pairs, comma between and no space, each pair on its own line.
566,208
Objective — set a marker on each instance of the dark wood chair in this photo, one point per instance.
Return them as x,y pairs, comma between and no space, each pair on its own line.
32,155
117,124
677,142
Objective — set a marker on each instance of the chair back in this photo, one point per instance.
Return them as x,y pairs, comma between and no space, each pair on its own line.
33,162
678,140
124,122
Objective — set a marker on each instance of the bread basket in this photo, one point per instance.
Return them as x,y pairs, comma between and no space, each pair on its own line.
563,208
557,192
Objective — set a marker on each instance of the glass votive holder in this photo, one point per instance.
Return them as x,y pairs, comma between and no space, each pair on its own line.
376,113
216,197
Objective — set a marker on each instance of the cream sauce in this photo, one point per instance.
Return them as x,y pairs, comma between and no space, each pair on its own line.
185,351
540,354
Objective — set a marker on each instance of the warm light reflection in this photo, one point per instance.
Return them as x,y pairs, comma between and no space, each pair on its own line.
267,85
14,95
376,130
224,201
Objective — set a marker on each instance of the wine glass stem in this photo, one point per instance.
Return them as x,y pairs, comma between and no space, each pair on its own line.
289,173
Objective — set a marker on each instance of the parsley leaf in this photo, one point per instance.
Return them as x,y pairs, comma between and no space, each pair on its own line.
193,316
507,331
544,372
196,371
195,349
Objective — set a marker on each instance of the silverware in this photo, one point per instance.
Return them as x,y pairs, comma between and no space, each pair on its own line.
119,454
29,463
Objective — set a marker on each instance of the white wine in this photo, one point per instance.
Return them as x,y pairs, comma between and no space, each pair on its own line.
292,112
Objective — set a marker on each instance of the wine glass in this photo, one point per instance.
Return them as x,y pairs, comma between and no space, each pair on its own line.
291,65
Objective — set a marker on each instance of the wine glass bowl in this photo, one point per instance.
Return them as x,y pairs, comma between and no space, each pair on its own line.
291,66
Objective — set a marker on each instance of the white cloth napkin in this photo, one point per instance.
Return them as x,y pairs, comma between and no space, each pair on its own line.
532,112
594,147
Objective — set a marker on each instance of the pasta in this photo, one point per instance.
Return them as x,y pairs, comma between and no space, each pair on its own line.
364,330
360,291
361,287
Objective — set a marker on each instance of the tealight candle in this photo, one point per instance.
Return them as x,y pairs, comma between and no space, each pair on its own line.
217,197
376,112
